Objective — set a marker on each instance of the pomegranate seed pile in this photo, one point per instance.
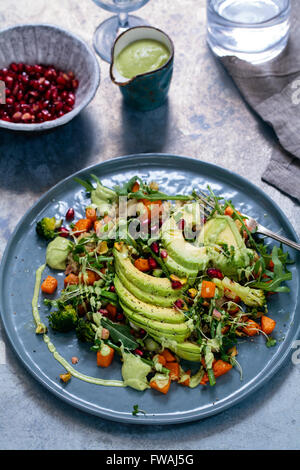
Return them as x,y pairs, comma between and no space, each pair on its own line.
36,93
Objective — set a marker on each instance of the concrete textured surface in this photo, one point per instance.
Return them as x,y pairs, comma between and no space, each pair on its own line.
206,118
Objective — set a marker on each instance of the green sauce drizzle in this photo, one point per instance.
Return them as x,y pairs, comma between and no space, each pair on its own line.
41,329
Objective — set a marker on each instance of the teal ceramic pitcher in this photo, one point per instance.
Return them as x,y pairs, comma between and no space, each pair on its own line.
148,90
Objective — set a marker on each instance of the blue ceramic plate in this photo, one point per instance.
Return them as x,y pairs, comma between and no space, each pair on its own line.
25,252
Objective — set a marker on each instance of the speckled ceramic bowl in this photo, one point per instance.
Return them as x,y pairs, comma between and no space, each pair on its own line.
51,45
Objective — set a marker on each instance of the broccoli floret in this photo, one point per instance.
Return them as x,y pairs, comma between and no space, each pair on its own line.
85,332
250,297
46,227
64,319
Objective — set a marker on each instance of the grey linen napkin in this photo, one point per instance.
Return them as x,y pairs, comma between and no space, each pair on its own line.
273,90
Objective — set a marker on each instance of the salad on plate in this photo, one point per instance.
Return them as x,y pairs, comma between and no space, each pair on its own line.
154,280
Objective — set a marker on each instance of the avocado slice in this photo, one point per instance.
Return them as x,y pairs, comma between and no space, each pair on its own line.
145,282
186,350
183,252
221,229
153,312
178,332
180,270
145,296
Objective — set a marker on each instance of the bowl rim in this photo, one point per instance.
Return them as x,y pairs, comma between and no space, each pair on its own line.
86,100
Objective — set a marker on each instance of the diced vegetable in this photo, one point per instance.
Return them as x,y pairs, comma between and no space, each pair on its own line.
174,370
71,280
267,324
219,368
169,357
228,211
142,264
185,378
89,277
161,383
49,285
105,356
112,310
160,358
65,377
252,328
208,289
91,214
135,187
81,226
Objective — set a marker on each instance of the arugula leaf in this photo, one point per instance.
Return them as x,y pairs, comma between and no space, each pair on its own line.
120,333
279,275
86,184
159,196
127,187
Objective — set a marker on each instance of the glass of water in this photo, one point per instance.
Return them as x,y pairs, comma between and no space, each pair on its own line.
252,30
107,31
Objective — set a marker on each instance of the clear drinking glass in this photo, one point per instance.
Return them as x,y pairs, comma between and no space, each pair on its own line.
107,31
253,30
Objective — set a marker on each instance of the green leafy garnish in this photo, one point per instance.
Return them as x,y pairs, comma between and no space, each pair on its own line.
278,276
136,410
271,342
120,333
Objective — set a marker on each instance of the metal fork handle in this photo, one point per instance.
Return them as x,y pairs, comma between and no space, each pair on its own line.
279,238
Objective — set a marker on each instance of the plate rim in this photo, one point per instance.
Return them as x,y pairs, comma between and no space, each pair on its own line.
161,419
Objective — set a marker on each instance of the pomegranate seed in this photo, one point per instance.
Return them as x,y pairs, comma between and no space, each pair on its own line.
155,248
70,214
63,232
48,94
112,289
67,109
54,93
50,73
61,80
139,352
179,303
213,272
152,263
181,224
176,285
120,317
14,67
17,116
38,68
10,100
142,332
58,106
9,81
26,117
163,254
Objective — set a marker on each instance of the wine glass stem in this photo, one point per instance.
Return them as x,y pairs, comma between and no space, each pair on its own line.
123,20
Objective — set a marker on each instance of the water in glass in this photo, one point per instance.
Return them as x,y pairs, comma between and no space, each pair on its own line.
253,30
